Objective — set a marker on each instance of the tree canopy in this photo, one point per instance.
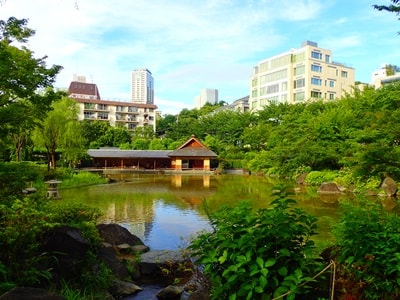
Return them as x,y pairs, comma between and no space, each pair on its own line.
25,81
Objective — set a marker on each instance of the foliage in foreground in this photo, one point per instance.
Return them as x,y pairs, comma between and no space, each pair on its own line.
258,254
368,239
22,224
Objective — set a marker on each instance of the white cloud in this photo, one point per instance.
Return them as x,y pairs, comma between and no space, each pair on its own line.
190,45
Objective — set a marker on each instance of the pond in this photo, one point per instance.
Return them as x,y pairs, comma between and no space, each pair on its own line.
166,210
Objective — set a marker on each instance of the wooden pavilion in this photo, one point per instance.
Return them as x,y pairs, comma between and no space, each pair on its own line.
191,155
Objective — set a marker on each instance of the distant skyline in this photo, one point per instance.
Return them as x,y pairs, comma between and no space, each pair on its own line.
192,45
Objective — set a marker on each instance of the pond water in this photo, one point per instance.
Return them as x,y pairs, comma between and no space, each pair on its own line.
166,210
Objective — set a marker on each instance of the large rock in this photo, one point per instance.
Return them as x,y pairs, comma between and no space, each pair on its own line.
389,186
302,179
171,292
108,256
115,235
328,188
28,293
160,265
123,288
67,248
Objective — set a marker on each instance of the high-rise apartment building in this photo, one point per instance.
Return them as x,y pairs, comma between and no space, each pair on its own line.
142,86
299,75
206,96
120,114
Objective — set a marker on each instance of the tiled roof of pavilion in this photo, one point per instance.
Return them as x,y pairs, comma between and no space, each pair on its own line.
118,153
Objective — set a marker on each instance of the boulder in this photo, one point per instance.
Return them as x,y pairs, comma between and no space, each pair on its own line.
123,288
302,179
108,256
67,248
29,293
171,292
328,188
115,234
389,186
152,263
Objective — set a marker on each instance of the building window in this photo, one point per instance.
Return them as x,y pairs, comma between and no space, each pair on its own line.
132,109
131,126
344,74
88,115
284,86
299,57
299,70
331,83
316,68
315,94
327,58
316,81
331,96
101,106
299,83
316,55
131,118
298,96
120,108
89,106
278,75
254,93
274,88
102,116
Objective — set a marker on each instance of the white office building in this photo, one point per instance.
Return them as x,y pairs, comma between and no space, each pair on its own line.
142,87
206,96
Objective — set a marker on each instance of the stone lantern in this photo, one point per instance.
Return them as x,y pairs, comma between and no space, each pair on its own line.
52,190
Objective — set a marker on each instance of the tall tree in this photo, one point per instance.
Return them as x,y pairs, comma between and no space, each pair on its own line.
61,130
23,78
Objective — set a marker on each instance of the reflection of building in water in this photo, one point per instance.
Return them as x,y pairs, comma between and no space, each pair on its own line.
176,181
141,210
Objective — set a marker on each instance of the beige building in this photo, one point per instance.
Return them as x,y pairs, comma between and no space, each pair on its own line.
239,105
124,114
385,75
299,75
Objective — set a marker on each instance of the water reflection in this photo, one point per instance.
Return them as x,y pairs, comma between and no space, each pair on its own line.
165,210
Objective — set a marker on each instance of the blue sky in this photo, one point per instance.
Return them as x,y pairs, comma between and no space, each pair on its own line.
191,45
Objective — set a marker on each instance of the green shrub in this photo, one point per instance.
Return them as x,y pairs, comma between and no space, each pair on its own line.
258,254
369,241
21,223
80,179
319,177
14,177
77,215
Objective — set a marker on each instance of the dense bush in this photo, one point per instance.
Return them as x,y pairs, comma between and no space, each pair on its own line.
258,254
319,177
14,177
368,239
24,219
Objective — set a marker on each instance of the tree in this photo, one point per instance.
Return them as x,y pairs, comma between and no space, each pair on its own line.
24,80
61,130
395,7
164,124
